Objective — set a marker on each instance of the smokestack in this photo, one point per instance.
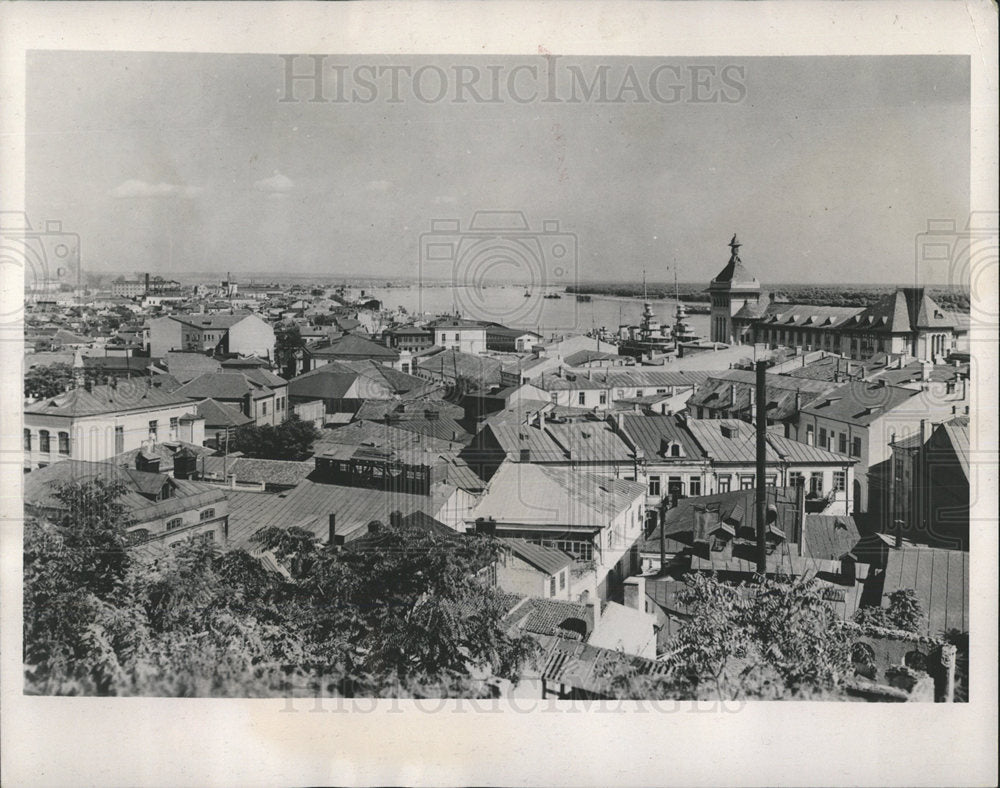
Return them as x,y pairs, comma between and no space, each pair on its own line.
761,468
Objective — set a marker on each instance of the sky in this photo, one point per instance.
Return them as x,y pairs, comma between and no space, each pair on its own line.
827,167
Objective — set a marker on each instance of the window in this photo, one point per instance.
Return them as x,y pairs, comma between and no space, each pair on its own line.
654,485
816,483
602,398
263,409
562,579
119,440
839,481
639,393
152,429
175,523
581,398
458,337
822,437
207,514
724,482
795,478
208,537
746,482
552,586
27,440
173,425
64,443
43,442
694,485
810,435
621,393
842,445
661,391
675,450
856,447
772,480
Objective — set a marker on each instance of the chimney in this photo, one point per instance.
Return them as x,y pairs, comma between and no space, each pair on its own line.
798,401
635,593
336,540
732,396
525,455
395,518
375,527
925,370
231,480
593,615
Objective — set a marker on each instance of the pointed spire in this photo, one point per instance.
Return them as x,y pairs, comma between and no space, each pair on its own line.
735,246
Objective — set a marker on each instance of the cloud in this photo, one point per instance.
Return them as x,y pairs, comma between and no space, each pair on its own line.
276,184
135,188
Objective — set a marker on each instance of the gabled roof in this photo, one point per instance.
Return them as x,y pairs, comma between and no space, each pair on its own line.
216,414
352,346
248,469
188,366
538,494
649,433
126,395
859,402
449,363
382,435
223,386
733,440
359,379
212,321
906,310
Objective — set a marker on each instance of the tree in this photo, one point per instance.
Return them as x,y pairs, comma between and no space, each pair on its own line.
904,612
291,440
47,381
406,617
770,640
405,606
288,342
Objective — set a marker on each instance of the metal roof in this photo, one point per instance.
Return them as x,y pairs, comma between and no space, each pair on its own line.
526,493
859,402
310,504
126,395
649,432
546,559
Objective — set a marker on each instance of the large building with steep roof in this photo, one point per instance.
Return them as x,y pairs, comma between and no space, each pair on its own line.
733,289
906,321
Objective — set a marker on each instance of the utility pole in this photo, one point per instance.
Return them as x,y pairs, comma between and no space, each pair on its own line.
761,394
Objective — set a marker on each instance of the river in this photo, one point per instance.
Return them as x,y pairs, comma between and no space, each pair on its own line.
509,306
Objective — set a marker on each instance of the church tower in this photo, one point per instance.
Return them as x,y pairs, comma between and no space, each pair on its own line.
734,288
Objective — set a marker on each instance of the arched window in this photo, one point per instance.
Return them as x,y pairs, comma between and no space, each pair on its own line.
207,514
675,450
43,442
64,443
27,440
175,523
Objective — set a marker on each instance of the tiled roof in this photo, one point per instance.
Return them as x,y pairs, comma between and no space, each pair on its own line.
904,311
223,386
544,616
731,391
941,581
528,493
131,394
248,469
360,379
